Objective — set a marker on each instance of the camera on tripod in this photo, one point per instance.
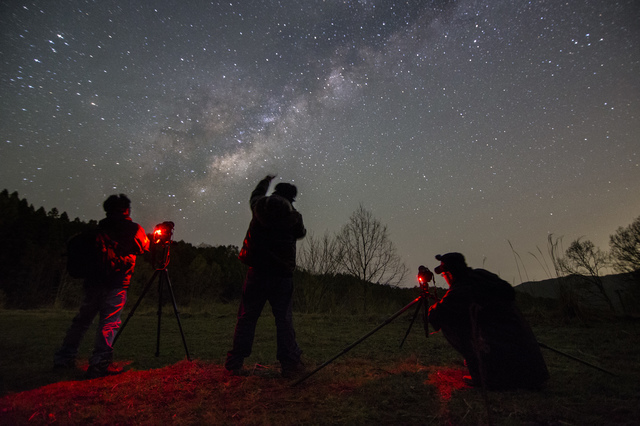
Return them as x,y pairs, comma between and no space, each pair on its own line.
160,244
163,232
161,241
425,276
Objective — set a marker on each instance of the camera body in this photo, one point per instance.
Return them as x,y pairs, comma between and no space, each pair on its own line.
163,233
161,243
424,276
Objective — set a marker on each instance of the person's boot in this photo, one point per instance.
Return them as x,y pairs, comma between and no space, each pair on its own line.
102,370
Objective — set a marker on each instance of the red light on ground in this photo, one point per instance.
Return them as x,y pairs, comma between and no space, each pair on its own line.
447,381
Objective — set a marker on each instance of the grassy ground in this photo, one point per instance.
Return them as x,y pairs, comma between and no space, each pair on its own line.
375,383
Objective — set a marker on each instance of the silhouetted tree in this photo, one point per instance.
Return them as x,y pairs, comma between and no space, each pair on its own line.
586,261
367,253
625,249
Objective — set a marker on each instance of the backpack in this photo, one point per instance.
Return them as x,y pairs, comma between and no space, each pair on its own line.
94,254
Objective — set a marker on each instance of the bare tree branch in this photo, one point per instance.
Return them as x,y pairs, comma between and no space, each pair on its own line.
367,252
583,259
625,248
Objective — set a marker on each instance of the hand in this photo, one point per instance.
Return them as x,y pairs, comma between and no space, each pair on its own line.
270,177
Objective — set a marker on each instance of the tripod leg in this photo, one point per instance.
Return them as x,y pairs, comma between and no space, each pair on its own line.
135,306
415,314
425,317
175,310
357,342
159,312
542,345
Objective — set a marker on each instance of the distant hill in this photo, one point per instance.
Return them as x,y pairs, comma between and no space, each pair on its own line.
550,288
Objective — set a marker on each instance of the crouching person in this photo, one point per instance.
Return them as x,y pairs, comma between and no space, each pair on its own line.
479,318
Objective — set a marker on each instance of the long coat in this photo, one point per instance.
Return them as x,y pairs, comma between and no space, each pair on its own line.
479,317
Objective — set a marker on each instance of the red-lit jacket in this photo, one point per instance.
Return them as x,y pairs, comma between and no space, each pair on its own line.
270,241
132,241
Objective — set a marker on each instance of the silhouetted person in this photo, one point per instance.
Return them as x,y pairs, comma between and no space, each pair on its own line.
105,292
478,316
269,249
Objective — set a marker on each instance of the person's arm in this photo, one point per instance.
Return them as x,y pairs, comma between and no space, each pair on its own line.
142,241
261,190
299,231
437,311
451,308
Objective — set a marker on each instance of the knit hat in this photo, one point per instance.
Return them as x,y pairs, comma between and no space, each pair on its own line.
286,190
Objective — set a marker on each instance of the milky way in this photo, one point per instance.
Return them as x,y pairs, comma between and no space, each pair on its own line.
471,126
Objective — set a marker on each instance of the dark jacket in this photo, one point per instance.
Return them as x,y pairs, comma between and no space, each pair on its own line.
471,286
270,241
479,317
131,241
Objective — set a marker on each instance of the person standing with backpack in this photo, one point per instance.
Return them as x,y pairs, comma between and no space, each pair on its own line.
118,240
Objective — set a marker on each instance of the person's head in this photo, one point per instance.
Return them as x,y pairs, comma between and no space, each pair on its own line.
117,205
451,265
287,191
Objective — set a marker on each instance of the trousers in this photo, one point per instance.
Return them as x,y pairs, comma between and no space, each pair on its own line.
260,287
108,304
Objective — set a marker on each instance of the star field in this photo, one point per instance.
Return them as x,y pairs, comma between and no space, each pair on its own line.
463,125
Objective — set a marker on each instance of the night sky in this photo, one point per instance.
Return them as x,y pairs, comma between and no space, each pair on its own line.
462,125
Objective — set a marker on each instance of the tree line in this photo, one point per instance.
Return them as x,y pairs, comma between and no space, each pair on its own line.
357,271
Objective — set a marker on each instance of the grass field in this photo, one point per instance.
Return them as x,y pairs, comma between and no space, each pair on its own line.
377,382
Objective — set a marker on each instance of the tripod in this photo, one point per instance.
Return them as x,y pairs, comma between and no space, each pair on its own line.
163,278
420,301
424,277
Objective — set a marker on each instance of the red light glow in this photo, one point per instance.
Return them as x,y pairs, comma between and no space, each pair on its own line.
447,381
157,235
